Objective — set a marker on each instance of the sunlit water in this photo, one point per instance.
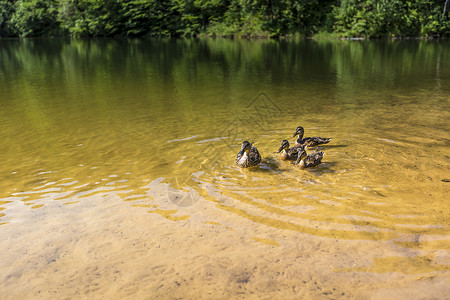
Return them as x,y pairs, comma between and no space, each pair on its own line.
130,117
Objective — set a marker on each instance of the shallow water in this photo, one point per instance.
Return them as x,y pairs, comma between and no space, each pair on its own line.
99,127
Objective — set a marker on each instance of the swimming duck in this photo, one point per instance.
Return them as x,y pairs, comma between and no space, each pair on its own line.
308,160
308,141
248,156
286,152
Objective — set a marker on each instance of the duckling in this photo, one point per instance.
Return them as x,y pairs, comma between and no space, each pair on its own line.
308,141
286,152
305,160
248,156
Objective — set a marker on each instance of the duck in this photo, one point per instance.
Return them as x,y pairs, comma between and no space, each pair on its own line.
305,160
248,156
308,141
286,152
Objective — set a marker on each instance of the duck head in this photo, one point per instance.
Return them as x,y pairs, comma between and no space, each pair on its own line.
284,145
245,147
298,131
301,155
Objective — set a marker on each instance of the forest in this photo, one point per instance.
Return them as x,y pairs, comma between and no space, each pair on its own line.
225,18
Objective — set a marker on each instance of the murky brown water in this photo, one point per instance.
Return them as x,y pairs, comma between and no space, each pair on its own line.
118,176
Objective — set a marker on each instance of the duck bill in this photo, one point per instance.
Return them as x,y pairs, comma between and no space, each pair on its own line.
297,132
279,150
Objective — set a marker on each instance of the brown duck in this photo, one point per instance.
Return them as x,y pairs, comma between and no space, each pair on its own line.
248,156
305,160
288,153
308,141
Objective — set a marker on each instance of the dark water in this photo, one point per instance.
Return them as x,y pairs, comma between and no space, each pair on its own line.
83,117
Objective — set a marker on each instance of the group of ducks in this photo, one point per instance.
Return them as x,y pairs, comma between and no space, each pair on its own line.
250,157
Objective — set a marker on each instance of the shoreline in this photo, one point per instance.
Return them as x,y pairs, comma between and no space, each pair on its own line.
317,37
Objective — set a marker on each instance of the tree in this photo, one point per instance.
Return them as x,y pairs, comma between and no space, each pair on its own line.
445,8
276,18
6,12
35,17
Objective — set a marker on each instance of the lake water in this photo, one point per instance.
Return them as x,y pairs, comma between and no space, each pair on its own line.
118,176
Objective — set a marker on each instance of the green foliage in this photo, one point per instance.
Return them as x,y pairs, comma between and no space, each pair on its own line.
155,18
91,17
6,11
377,18
275,18
285,17
35,17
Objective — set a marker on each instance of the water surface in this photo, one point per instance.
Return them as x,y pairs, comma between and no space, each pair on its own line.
157,123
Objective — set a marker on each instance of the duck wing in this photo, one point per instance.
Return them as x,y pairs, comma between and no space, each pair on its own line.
314,159
315,141
254,156
293,153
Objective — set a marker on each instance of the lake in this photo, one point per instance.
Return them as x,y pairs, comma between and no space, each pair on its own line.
118,177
